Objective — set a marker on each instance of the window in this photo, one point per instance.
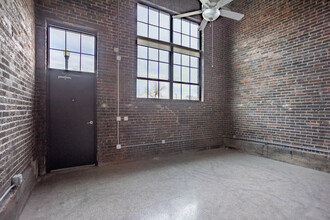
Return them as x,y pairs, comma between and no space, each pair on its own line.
185,77
168,56
70,50
185,33
153,23
153,73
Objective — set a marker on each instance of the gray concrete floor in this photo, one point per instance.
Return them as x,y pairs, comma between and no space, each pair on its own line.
215,184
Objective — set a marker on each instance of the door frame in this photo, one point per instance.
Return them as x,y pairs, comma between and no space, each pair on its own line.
49,71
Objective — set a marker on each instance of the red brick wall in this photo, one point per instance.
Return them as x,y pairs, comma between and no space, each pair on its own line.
150,121
280,78
17,67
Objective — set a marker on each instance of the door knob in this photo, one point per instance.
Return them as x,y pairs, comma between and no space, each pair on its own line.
90,122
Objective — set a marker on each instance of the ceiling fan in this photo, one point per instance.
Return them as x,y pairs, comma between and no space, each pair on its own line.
211,10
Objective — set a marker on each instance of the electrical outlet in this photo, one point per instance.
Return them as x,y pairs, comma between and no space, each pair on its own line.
118,118
163,141
118,146
116,50
17,179
118,58
125,118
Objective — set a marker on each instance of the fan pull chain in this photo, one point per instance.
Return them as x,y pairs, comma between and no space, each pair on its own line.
212,45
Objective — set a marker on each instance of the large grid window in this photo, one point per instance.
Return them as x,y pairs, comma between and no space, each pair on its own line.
153,23
185,77
70,50
168,56
153,73
185,33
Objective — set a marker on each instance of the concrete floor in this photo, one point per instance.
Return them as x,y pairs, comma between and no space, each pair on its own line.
215,184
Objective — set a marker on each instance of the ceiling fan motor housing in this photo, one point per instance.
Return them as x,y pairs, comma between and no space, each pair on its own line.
211,14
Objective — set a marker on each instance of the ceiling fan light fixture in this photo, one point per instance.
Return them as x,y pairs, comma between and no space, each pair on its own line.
211,14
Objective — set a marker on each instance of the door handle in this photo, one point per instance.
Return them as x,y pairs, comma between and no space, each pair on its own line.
90,122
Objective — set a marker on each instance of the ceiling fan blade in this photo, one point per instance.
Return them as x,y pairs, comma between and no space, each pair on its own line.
222,3
203,25
230,14
188,14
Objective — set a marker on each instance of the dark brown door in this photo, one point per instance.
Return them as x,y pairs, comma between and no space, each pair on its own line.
71,119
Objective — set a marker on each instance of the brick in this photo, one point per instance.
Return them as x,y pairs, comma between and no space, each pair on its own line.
294,31
150,121
17,84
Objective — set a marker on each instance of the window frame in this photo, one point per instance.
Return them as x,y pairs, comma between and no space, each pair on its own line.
158,79
171,51
75,30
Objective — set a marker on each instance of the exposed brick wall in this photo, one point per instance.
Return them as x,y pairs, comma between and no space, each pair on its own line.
17,81
150,121
280,78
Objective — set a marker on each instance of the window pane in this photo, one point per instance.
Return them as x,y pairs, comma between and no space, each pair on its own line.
177,58
142,68
194,92
185,27
193,75
185,41
164,20
177,73
153,89
73,42
142,13
141,88
56,38
185,92
194,30
153,32
74,62
142,29
164,90
185,74
177,25
87,63
88,44
56,59
163,71
153,16
194,43
153,54
176,91
185,60
163,56
164,35
177,38
142,52
194,62
153,69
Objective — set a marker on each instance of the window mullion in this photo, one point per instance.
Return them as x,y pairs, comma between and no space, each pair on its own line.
65,50
171,59
80,53
148,66
158,29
